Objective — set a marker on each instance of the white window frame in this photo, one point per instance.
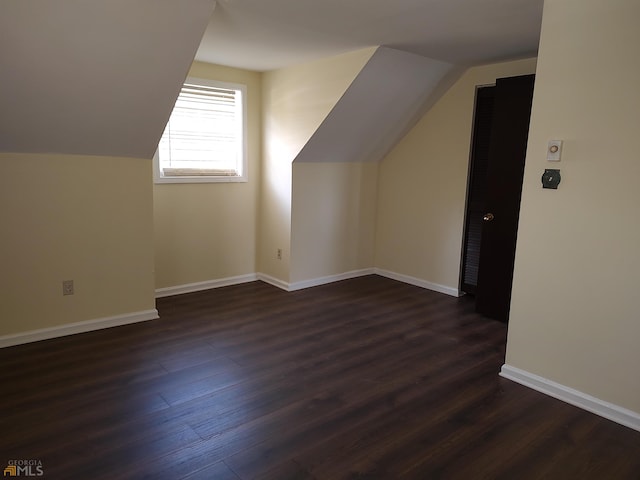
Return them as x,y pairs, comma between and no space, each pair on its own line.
158,175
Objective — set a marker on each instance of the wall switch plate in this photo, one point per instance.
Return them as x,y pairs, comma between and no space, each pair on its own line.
551,178
554,150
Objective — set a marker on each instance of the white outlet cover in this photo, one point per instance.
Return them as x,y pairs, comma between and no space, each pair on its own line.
554,150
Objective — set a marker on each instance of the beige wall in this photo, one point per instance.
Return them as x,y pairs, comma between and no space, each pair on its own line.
333,218
574,310
295,101
81,218
423,181
207,231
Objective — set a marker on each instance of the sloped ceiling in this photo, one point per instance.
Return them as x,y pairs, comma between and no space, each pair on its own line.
93,77
265,35
386,98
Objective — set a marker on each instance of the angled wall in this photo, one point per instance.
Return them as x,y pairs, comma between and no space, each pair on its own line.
335,175
387,97
87,88
295,102
422,186
93,78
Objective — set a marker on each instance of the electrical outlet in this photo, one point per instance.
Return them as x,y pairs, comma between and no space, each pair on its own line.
279,254
67,287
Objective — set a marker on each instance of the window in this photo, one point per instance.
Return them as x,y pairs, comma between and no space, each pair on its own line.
204,140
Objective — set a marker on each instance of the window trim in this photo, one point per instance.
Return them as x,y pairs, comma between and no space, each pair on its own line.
158,178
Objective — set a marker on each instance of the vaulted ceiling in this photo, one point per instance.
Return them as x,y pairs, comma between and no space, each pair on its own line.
264,35
100,77
385,99
93,77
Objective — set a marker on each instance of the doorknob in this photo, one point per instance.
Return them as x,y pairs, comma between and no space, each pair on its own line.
488,217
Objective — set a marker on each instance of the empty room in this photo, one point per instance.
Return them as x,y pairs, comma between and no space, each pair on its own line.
319,240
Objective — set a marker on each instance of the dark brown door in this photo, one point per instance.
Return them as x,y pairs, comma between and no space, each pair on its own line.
507,150
477,188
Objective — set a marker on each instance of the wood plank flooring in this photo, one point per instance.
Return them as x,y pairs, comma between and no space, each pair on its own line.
361,379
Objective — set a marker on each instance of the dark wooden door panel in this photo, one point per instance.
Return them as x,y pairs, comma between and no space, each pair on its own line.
477,188
507,151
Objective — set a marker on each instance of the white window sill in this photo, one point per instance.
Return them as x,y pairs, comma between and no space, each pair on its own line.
200,179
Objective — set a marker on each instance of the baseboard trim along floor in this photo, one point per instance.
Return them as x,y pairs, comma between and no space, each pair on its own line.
77,327
579,399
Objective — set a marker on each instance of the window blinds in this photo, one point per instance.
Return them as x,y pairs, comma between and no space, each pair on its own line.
204,134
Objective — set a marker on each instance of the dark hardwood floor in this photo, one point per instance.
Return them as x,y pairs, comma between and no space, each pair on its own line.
366,378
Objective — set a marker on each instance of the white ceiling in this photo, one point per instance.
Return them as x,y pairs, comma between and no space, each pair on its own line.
264,35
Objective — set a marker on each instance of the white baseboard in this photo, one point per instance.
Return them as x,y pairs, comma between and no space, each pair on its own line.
276,282
199,286
618,414
77,327
436,287
314,282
